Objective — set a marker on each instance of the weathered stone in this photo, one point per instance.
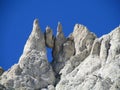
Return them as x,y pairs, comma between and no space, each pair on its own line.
59,40
80,62
99,70
33,70
96,48
2,87
58,49
49,39
114,49
105,46
83,38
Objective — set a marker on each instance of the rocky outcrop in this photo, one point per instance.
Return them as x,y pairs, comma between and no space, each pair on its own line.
64,55
59,40
83,40
58,62
49,38
33,71
96,48
81,61
99,70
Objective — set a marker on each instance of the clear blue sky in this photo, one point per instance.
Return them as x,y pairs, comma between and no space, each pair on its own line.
16,18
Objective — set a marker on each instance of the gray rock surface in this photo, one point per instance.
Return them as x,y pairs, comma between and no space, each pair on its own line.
100,70
2,87
59,40
33,70
58,49
83,41
80,62
83,38
49,38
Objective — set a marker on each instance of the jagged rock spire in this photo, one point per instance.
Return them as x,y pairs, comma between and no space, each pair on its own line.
33,71
59,40
60,35
83,38
80,62
36,39
97,60
59,27
49,38
36,25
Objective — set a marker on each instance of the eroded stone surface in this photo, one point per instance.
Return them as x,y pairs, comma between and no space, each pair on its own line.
2,87
80,62
99,70
33,70
58,49
83,38
59,40
49,38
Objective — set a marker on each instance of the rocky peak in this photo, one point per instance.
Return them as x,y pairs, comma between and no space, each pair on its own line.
94,67
81,61
36,40
49,38
59,28
59,40
83,38
33,70
36,25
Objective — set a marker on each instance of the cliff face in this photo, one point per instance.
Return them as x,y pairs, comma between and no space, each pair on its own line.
80,62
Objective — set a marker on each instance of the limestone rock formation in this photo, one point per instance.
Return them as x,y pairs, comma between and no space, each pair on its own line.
57,50
83,38
81,61
33,71
100,70
59,40
49,38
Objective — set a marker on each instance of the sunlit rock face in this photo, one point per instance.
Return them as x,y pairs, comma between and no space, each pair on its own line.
33,70
98,68
81,61
49,38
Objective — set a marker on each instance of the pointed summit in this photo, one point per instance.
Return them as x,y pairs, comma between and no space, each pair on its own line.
49,38
59,28
33,71
80,28
59,40
83,38
36,39
36,25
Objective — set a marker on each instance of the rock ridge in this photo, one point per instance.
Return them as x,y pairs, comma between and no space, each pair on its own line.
81,61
